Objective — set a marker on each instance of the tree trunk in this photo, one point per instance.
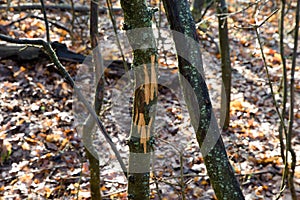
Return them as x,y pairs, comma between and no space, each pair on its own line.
225,64
88,139
198,102
290,133
137,22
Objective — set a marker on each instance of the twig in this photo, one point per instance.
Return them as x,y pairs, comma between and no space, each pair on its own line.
267,18
80,178
60,26
181,182
72,20
47,47
256,28
158,26
258,25
110,11
205,175
18,20
157,186
205,11
268,76
167,182
46,21
226,15
112,193
211,38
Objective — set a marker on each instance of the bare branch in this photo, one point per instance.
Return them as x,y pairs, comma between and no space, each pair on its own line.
67,76
81,9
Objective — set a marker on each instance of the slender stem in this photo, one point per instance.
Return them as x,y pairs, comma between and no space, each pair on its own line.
284,79
225,65
226,15
291,113
46,20
91,153
73,19
182,183
275,103
61,69
112,18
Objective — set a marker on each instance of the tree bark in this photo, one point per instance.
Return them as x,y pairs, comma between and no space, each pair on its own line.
88,138
284,80
137,23
290,133
225,64
221,174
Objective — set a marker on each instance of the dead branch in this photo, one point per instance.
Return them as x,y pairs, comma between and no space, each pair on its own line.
62,70
62,7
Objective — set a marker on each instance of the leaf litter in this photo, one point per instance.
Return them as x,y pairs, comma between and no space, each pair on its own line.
42,155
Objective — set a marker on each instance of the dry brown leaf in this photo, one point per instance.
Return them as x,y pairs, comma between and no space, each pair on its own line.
21,70
53,138
276,59
25,146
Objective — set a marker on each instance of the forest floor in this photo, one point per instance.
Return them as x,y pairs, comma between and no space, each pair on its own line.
39,120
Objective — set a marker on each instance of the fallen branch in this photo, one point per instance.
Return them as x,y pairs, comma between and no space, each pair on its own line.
25,53
48,48
62,7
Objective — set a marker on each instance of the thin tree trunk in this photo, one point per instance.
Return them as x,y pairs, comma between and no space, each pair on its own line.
92,155
290,134
284,79
199,105
225,64
137,19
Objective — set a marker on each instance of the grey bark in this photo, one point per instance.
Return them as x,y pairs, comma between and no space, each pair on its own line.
221,174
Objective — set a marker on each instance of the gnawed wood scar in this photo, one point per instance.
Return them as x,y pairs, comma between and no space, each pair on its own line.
150,92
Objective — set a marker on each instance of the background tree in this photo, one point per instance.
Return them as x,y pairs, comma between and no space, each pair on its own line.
91,153
290,134
225,64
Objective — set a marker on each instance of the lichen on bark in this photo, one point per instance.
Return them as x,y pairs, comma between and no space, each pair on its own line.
198,102
137,23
